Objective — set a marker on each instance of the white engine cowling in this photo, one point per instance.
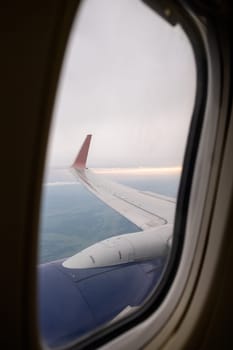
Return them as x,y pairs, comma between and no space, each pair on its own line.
125,248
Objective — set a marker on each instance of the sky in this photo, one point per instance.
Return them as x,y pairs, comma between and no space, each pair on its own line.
128,79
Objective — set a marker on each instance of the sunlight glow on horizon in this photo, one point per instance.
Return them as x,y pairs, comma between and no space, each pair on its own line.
139,171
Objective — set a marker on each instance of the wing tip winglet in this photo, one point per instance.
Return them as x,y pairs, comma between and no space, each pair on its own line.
81,159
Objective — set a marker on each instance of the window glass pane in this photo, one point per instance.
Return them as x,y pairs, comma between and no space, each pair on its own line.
105,232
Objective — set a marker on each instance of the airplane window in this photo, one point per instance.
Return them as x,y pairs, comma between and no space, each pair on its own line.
114,162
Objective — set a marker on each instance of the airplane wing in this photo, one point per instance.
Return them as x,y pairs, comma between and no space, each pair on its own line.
144,209
111,277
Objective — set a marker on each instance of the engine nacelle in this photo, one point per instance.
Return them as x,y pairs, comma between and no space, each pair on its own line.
130,247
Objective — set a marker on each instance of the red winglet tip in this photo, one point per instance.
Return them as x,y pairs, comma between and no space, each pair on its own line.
81,159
